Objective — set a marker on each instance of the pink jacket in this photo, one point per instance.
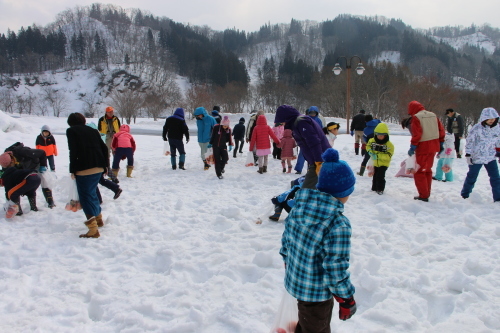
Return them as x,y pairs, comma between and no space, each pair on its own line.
287,144
261,134
278,131
123,139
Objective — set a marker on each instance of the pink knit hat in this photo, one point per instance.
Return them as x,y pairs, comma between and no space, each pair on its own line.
5,160
225,121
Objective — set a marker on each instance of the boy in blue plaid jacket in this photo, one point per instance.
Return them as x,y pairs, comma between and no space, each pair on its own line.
316,247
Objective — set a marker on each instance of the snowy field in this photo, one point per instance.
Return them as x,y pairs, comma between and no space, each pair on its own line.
181,250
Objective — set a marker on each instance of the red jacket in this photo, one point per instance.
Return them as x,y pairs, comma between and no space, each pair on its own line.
423,147
261,134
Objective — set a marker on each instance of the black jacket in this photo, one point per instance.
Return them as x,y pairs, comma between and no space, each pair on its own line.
220,137
175,128
86,149
358,122
239,131
460,121
13,176
28,158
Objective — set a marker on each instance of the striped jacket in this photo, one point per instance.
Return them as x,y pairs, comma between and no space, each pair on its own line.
316,246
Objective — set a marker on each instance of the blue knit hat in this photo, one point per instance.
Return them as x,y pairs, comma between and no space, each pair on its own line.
335,177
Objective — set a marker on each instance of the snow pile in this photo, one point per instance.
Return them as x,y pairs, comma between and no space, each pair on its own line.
181,250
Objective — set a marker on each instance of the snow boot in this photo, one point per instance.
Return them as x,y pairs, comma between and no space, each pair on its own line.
173,161
356,148
117,193
207,166
182,159
47,193
129,171
93,232
112,176
277,213
32,201
264,168
115,175
361,171
98,219
289,170
363,149
284,170
260,170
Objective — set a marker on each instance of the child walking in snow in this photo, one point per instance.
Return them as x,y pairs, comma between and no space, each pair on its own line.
287,144
446,157
46,142
480,150
123,146
221,135
260,139
381,150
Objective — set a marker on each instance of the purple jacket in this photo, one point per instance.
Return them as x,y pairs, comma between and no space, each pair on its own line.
307,133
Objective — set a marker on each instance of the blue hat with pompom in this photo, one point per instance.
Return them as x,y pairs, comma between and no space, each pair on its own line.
336,176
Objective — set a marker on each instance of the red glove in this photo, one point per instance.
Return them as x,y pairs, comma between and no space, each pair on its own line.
347,307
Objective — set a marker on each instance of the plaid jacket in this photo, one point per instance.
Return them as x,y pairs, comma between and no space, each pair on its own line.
316,245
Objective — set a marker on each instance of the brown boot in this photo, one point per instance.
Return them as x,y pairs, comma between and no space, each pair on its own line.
93,232
115,172
260,170
129,171
100,222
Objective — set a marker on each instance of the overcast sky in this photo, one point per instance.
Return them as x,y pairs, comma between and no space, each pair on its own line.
249,15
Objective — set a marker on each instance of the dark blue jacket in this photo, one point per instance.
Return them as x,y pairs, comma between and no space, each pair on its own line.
175,126
239,131
370,127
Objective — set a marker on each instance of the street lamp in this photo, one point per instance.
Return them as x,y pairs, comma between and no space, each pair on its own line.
337,70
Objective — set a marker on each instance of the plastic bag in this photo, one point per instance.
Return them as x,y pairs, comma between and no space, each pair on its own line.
73,199
447,165
11,209
48,179
250,161
166,148
287,316
209,156
411,165
402,171
370,167
461,147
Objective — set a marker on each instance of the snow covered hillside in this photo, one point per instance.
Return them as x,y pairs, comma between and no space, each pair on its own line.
477,39
181,250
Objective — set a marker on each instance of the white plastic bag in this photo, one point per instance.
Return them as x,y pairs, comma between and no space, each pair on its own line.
287,316
249,161
48,179
370,167
209,156
461,147
73,199
411,164
166,148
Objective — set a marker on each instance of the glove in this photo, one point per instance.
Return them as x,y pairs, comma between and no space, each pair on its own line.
209,146
42,169
412,150
373,156
165,139
468,159
352,133
318,167
230,148
347,307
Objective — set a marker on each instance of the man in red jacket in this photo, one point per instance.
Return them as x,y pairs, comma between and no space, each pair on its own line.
427,137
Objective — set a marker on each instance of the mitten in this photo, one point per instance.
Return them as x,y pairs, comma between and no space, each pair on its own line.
209,145
230,148
347,307
42,169
412,150
352,133
448,151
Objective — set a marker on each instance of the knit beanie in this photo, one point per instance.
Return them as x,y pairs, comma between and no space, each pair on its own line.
242,120
5,160
335,177
225,121
216,108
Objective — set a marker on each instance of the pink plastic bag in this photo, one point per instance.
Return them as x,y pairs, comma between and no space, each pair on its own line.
287,316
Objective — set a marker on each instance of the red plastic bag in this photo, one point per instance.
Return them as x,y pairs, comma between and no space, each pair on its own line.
287,316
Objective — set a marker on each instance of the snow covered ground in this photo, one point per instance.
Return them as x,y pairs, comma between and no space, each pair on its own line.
181,251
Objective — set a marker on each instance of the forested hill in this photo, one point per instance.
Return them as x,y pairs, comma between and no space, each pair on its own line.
134,52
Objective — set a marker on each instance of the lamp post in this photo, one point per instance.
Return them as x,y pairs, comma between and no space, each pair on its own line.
337,70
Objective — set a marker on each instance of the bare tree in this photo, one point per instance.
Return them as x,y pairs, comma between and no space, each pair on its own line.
42,106
90,101
7,100
198,95
56,99
127,103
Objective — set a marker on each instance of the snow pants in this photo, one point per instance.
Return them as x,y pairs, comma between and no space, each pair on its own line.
423,176
314,316
470,180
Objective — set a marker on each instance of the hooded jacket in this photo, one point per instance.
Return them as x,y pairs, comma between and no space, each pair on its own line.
426,130
380,151
287,143
175,126
216,116
261,134
316,246
239,130
307,133
123,139
317,118
370,127
484,139
46,143
204,125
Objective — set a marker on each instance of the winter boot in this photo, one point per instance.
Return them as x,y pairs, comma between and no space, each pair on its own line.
182,159
93,232
356,148
277,213
112,176
100,222
284,170
47,193
129,170
289,170
361,171
32,201
115,175
117,193
173,160
260,170
264,168
207,166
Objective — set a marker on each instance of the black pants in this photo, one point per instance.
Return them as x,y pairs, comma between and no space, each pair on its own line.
221,157
366,157
378,182
176,145
108,184
311,177
27,187
457,143
314,317
50,159
276,152
239,145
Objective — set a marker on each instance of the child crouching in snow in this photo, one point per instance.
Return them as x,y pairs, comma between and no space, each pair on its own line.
123,146
446,158
316,245
381,150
